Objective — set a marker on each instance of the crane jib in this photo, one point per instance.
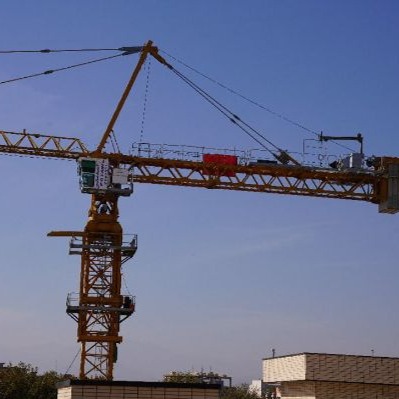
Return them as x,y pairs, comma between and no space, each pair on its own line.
378,186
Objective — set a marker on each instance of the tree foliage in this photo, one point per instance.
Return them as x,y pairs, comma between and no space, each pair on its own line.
22,381
238,392
184,377
189,377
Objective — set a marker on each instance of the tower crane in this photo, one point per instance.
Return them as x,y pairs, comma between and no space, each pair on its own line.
100,307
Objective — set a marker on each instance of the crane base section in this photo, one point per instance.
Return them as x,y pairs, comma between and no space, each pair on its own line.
96,389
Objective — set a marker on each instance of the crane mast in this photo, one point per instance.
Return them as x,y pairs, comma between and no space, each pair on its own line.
100,307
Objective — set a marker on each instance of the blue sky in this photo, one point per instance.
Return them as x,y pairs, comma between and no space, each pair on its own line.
220,278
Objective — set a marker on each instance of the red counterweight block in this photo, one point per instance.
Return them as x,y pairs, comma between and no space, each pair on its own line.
216,163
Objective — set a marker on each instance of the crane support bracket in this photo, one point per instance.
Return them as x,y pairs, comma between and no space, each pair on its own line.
390,191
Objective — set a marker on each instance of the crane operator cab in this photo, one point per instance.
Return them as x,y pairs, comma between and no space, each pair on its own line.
96,175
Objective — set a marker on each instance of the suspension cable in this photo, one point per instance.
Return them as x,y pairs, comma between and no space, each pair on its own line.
46,51
228,114
114,142
237,118
265,108
50,71
73,361
125,284
297,124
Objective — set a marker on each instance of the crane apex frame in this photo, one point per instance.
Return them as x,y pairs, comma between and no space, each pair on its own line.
100,307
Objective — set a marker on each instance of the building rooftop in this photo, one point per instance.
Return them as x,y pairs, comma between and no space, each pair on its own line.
329,354
143,384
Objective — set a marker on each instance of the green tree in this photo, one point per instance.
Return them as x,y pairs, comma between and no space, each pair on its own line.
238,392
22,381
185,377
196,377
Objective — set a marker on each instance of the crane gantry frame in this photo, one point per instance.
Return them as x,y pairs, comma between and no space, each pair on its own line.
100,307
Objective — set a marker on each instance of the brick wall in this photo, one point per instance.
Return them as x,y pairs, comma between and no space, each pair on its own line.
135,390
297,390
348,368
334,390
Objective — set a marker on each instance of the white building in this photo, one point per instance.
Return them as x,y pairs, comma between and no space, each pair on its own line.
328,376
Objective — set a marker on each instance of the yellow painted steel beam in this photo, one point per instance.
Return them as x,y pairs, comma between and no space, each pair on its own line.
148,49
65,234
32,144
98,338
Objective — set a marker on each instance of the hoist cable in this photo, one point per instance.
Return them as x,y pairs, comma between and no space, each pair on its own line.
269,110
50,71
147,84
